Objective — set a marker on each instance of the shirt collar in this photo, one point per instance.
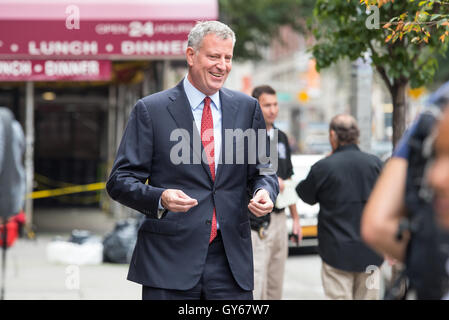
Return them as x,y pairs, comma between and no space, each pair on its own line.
270,132
196,97
350,146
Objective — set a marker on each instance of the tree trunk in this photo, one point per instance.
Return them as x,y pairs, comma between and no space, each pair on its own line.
398,95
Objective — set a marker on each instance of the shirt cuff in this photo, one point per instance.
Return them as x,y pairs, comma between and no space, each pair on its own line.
160,207
254,194
161,210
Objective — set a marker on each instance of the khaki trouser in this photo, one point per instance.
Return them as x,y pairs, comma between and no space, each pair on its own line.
270,255
344,285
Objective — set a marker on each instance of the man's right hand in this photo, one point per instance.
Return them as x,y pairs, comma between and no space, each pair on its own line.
177,201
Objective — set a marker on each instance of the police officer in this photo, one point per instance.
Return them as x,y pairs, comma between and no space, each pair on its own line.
269,234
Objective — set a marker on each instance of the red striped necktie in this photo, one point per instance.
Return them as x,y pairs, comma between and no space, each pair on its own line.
207,138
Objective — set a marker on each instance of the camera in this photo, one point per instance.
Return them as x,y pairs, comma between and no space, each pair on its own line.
428,249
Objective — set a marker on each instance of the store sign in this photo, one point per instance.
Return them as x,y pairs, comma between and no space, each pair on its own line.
55,70
93,39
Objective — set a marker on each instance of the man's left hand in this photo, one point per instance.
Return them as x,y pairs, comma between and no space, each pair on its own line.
261,204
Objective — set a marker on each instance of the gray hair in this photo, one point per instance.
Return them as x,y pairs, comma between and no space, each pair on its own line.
203,28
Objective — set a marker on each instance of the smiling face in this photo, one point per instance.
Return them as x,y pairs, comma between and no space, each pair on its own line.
439,172
210,65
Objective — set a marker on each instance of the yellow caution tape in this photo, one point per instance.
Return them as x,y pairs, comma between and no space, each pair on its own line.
67,190
43,180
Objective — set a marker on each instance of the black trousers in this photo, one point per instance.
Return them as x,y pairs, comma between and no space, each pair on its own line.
216,283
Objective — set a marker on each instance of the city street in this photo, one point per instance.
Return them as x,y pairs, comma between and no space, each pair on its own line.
31,276
334,118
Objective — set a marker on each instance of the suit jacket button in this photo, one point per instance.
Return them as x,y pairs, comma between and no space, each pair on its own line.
208,222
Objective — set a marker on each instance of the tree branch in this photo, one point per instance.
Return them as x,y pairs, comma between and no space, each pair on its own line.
380,69
384,76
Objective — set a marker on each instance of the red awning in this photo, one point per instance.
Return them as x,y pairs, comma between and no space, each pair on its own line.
99,29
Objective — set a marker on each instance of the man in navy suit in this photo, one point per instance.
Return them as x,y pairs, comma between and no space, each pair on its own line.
195,242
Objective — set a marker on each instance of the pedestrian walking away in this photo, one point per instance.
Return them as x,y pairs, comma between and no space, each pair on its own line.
341,183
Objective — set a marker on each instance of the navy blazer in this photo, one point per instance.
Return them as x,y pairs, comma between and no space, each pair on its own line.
170,253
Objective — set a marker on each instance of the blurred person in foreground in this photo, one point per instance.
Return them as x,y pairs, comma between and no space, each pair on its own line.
341,183
439,173
269,234
195,242
438,178
406,216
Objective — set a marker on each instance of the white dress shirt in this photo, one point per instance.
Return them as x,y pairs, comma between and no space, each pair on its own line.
196,101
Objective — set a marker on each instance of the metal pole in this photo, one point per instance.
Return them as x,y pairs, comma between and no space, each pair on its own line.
29,152
112,115
165,73
117,209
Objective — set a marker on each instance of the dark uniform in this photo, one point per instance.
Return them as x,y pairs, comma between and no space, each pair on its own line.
270,239
284,171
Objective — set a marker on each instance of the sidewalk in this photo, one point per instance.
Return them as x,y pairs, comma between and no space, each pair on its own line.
30,276
64,220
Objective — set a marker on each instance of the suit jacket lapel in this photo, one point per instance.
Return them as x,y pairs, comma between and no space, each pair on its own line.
181,112
229,110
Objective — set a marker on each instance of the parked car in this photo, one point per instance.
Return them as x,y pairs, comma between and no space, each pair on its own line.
308,214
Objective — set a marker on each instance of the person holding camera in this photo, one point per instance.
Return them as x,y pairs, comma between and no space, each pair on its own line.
406,216
439,173
439,181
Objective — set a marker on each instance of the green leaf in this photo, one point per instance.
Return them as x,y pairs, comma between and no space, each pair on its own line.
404,55
435,16
422,3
